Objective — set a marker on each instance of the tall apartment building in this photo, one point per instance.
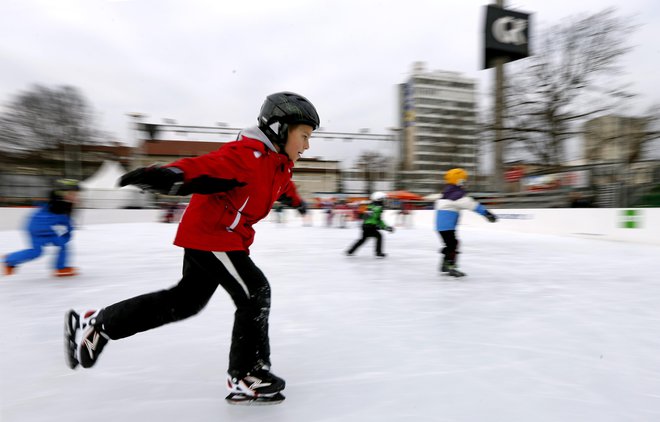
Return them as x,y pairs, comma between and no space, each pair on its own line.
437,112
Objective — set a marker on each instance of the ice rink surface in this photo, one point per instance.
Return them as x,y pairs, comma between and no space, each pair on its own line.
543,328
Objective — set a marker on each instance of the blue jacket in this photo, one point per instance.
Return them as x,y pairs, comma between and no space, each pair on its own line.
47,226
448,208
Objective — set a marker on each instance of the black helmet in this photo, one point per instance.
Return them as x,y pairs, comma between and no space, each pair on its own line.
67,185
283,109
58,202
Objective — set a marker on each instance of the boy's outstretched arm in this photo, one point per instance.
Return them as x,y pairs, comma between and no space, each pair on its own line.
291,198
170,181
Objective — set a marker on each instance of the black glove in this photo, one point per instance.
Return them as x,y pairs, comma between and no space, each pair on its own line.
490,216
165,180
302,208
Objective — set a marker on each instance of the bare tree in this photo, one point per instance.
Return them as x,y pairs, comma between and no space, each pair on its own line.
566,82
46,118
373,166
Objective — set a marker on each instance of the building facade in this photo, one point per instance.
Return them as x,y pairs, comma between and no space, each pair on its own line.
614,153
28,178
313,177
437,117
355,183
615,139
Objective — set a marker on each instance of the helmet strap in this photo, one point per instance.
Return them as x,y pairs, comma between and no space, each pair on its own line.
281,131
273,133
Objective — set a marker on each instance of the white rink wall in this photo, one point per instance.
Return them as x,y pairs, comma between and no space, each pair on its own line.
16,218
639,225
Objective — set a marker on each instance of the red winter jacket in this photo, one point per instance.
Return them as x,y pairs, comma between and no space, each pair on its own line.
223,221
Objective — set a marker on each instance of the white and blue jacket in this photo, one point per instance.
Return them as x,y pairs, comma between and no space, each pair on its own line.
448,208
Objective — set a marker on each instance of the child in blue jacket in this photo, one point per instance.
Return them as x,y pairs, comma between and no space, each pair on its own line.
448,208
49,225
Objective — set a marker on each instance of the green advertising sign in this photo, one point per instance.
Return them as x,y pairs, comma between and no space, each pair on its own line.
631,219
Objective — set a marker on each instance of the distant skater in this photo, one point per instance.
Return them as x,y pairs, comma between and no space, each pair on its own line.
372,225
50,225
448,208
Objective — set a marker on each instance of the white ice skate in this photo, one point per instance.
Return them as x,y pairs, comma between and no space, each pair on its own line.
257,387
83,340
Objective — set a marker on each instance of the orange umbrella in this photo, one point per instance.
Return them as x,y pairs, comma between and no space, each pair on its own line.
403,195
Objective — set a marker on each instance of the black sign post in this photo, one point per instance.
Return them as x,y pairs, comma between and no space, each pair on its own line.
506,39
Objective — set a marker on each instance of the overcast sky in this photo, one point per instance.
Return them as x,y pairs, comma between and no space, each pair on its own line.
206,61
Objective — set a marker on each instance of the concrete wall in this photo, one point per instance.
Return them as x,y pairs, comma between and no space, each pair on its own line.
640,225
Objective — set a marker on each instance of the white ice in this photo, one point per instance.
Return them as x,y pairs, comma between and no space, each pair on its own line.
542,329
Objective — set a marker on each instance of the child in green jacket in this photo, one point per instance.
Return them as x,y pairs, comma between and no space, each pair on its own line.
372,224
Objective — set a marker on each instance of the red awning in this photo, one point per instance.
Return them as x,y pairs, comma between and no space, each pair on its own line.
403,195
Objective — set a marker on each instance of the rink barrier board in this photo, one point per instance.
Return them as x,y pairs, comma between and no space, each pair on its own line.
16,218
639,225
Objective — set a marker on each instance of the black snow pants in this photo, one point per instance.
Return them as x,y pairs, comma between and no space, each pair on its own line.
202,273
450,249
369,230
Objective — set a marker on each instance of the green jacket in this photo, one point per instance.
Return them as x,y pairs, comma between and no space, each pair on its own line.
373,217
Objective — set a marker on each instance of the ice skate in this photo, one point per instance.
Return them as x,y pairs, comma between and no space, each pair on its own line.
9,270
455,273
83,339
71,325
381,255
449,268
444,267
65,272
257,387
240,398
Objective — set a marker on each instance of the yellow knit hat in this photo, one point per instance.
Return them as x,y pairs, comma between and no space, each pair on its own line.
456,176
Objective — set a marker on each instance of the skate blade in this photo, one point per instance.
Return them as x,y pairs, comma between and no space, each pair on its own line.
71,321
455,275
242,399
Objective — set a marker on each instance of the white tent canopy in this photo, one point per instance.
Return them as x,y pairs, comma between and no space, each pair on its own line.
101,190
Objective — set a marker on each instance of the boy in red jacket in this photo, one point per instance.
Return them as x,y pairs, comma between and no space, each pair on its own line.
233,188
